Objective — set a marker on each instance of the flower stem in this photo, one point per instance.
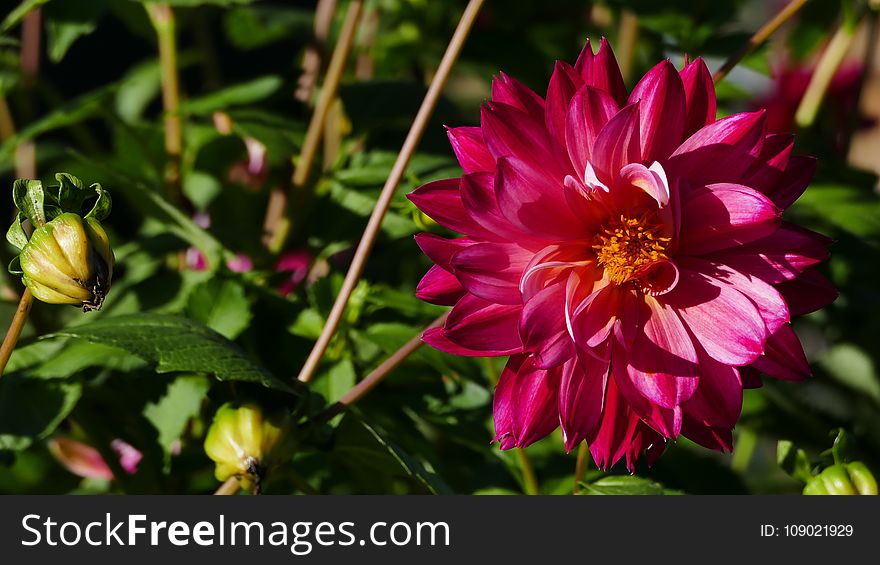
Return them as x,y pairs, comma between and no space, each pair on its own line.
18,320
746,442
369,382
372,230
760,36
530,481
228,488
276,225
580,467
628,33
162,18
824,73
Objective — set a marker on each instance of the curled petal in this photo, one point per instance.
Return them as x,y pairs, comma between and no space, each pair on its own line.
658,278
618,144
652,180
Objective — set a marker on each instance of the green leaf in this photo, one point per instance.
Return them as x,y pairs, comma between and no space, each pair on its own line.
848,208
237,95
176,344
171,413
842,449
19,13
854,368
362,448
793,461
625,485
30,199
80,355
340,378
102,206
222,306
193,3
31,409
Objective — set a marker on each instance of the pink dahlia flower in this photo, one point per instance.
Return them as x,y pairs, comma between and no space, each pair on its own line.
627,251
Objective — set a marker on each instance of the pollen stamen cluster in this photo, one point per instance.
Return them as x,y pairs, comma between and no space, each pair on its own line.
625,245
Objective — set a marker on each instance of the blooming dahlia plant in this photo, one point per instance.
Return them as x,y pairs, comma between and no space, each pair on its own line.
627,251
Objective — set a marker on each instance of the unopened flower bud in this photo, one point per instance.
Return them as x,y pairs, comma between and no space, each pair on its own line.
843,479
246,444
69,261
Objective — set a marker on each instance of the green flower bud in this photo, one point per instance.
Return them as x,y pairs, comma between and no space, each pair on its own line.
843,479
69,261
245,444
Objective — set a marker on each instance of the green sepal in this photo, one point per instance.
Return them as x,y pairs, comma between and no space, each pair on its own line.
794,461
16,234
102,206
14,266
30,199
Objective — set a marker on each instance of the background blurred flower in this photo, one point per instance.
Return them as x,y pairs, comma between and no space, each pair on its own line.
85,461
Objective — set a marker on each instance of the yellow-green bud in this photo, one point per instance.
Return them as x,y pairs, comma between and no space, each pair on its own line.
69,261
244,443
843,479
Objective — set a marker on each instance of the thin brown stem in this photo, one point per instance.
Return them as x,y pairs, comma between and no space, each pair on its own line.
18,320
231,486
580,467
313,58
372,230
758,39
276,226
162,17
823,74
369,382
31,30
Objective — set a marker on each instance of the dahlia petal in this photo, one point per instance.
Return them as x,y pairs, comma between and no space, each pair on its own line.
594,318
794,181
510,132
719,439
616,428
440,249
662,111
809,292
508,90
602,71
652,180
492,271
478,325
664,420
436,338
717,402
589,111
781,256
765,174
771,305
721,216
441,200
723,320
662,344
617,144
550,265
470,149
525,406
542,328
478,198
699,91
581,395
721,151
750,377
564,82
783,356
534,203
440,287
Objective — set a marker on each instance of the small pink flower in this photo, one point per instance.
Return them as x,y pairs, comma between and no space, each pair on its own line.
627,251
296,265
85,461
241,263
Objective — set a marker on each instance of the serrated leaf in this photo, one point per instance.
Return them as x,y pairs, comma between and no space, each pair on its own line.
363,448
222,306
176,344
30,409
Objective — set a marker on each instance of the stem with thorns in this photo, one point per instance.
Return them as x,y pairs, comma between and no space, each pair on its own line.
759,38
372,230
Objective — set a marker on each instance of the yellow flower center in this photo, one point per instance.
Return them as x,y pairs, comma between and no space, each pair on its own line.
625,245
